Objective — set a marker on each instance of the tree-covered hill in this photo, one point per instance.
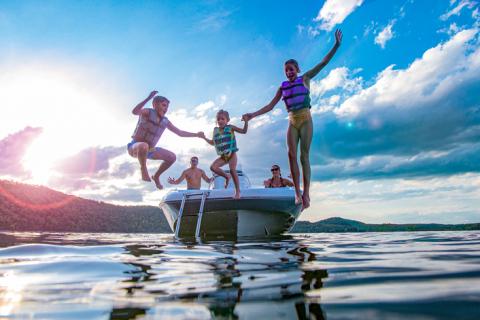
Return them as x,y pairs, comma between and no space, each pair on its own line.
34,208
337,224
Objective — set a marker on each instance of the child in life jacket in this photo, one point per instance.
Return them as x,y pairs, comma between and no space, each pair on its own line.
226,147
150,127
295,92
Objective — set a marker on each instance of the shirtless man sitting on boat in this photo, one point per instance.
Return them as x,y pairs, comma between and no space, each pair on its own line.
193,175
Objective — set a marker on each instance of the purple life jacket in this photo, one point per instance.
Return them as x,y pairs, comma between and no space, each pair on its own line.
295,95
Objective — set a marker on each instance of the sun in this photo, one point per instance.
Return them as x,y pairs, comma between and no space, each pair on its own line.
39,159
73,110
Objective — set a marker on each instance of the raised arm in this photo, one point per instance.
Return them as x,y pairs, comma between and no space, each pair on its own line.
177,181
267,108
310,74
184,134
240,130
138,108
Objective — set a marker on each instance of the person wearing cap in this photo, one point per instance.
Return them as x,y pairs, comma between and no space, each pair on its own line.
276,181
193,175
151,124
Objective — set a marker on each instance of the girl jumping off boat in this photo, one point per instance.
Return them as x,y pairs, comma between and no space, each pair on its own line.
226,147
295,92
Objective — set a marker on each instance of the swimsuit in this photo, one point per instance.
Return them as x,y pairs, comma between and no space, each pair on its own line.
299,117
150,152
282,184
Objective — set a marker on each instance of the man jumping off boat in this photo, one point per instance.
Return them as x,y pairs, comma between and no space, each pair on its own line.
150,127
193,175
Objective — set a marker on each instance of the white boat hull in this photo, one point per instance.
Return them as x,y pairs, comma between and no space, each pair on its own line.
260,212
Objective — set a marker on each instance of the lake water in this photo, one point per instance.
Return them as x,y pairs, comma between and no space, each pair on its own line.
422,275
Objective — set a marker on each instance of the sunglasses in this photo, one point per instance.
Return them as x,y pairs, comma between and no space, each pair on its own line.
274,169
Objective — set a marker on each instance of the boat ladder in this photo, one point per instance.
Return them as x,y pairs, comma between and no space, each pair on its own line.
204,195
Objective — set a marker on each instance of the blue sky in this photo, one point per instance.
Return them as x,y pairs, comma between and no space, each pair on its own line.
396,112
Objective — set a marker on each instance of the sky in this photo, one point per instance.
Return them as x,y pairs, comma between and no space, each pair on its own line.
396,112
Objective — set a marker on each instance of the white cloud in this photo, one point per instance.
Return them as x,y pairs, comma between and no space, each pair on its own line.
451,30
454,199
204,107
223,100
385,35
334,12
336,78
475,13
369,28
313,31
214,21
426,80
277,112
458,8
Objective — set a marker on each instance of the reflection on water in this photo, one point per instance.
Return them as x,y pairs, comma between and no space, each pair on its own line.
430,275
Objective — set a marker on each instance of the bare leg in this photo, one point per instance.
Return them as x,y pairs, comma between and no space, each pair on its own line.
139,150
306,133
216,168
232,164
292,144
168,158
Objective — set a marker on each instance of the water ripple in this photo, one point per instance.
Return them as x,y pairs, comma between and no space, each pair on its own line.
423,275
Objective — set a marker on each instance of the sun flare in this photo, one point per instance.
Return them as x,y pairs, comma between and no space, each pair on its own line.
39,159
72,110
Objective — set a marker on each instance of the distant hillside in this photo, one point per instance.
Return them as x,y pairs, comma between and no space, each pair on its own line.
344,225
33,208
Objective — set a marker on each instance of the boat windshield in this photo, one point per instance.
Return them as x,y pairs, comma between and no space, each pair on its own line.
219,182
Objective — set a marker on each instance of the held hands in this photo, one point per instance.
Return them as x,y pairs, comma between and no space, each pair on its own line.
171,180
247,117
152,94
201,134
338,37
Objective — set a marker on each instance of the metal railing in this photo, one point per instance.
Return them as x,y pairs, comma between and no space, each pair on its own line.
186,195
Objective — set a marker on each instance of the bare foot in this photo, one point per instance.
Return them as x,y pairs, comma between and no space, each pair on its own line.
157,182
145,176
227,180
237,195
306,201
